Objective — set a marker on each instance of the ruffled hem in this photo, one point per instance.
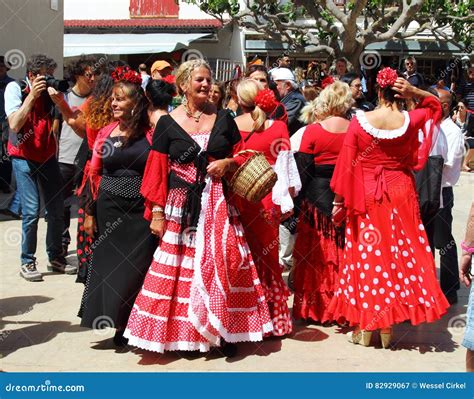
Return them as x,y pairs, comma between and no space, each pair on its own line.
311,305
386,318
160,347
382,133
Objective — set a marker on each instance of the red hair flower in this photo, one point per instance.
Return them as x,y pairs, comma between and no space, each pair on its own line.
328,80
266,100
170,79
121,74
387,77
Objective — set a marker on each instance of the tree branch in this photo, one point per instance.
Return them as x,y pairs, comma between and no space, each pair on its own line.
407,15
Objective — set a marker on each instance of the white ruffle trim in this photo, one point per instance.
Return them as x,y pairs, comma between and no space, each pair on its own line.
168,346
381,133
288,176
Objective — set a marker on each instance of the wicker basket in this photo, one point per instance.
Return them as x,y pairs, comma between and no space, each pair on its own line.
255,178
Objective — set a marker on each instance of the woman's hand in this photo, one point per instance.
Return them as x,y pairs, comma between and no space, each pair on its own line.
465,269
219,168
286,215
90,226
157,227
404,88
338,214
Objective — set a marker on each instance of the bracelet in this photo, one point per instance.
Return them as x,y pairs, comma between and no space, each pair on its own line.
155,219
469,250
157,209
338,203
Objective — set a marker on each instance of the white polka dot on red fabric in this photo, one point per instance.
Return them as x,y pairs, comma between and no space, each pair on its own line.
377,252
422,240
402,294
405,253
400,242
410,265
369,248
423,291
420,279
365,305
376,281
348,231
362,275
351,289
382,290
389,283
406,281
366,287
362,225
353,301
385,275
349,244
397,287
377,307
363,255
400,275
393,266
421,300
392,295
412,278
342,281
374,292
428,249
421,227
366,266
387,300
361,247
378,268
361,294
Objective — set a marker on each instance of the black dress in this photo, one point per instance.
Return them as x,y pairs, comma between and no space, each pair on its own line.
123,245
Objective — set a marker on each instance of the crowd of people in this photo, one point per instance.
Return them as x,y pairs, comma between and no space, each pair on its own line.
173,259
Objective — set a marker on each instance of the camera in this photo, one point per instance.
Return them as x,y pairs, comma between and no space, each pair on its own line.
59,85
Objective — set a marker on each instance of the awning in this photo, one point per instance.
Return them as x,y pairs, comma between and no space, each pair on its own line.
127,43
415,47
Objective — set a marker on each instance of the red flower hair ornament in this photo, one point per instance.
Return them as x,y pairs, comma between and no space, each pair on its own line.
329,80
170,79
121,74
387,77
266,100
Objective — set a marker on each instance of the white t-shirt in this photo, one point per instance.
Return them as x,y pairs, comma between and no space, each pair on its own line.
13,97
453,160
70,141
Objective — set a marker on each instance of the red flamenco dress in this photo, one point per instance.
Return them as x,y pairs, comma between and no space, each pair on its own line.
84,241
202,286
388,271
261,220
318,247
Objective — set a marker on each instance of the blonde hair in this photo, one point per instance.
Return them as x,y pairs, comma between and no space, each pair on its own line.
247,90
334,100
183,74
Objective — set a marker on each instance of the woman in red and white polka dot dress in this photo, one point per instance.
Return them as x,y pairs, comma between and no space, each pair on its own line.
202,288
388,272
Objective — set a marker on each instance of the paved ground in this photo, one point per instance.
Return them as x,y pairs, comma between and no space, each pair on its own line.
40,330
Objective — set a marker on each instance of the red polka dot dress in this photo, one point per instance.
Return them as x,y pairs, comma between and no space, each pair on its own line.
388,272
202,285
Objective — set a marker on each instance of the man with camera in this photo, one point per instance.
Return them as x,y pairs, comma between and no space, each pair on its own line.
32,147
82,72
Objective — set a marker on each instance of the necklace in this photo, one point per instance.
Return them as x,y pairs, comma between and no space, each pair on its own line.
195,116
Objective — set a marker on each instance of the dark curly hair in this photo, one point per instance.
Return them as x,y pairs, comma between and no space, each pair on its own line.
78,67
39,61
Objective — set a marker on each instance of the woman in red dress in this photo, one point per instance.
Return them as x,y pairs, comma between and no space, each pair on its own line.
318,247
261,219
202,288
388,272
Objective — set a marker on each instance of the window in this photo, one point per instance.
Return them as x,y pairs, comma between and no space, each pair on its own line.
154,8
